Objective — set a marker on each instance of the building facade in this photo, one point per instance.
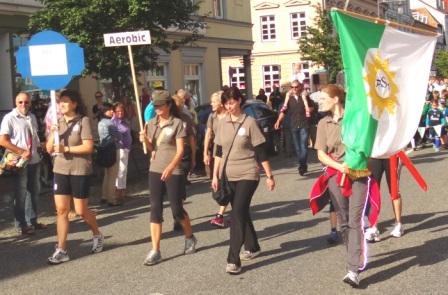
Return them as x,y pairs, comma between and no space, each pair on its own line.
277,28
14,16
197,67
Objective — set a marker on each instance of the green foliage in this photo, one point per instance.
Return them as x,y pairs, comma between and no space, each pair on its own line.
85,22
441,62
321,44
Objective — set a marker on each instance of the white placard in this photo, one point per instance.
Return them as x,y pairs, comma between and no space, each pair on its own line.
127,38
48,60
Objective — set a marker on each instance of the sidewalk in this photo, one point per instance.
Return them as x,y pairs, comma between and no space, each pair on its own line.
137,186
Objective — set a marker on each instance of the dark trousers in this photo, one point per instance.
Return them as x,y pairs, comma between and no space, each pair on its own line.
175,190
349,211
300,139
242,229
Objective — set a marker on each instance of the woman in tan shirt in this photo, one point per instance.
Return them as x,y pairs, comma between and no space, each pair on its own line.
240,141
218,113
331,152
164,137
72,169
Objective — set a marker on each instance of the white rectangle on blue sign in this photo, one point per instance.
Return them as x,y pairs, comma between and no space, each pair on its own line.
48,60
127,38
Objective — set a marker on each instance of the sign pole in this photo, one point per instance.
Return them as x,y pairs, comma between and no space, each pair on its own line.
54,117
137,98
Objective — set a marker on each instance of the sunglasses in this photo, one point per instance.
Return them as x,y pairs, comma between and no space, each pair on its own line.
23,102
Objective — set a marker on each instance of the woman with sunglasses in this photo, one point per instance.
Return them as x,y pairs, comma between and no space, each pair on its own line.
164,137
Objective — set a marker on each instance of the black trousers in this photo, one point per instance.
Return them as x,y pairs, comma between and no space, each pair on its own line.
242,229
175,190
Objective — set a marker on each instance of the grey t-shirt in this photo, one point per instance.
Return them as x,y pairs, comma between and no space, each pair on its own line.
164,141
68,163
329,138
242,163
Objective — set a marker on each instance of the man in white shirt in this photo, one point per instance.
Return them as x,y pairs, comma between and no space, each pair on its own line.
18,135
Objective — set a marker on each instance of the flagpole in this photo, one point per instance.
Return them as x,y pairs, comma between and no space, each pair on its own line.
386,22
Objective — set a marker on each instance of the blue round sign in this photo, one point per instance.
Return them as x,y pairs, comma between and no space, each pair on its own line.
49,60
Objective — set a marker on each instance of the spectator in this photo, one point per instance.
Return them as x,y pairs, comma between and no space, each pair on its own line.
18,135
99,97
108,134
299,122
435,119
124,147
262,96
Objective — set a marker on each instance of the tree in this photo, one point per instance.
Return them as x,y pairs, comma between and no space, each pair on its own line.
85,22
441,62
321,44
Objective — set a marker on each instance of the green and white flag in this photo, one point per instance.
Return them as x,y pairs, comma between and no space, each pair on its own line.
386,72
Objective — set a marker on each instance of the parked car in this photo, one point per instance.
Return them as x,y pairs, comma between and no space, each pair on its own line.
264,116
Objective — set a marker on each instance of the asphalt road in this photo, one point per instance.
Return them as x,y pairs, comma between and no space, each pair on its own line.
295,259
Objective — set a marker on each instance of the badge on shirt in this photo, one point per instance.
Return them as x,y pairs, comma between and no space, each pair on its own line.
169,131
76,128
242,131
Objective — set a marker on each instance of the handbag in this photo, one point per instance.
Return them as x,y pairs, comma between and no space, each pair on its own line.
224,192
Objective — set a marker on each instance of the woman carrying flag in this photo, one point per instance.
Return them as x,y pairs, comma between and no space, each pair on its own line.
348,200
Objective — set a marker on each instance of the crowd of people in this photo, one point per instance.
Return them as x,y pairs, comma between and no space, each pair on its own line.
234,153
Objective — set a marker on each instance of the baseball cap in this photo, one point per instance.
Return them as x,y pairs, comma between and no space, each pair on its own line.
160,97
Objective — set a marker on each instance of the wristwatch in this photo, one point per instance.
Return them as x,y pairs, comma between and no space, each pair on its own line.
271,177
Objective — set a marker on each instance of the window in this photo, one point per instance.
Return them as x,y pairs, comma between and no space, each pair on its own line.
192,77
298,25
237,77
420,17
157,77
268,28
271,77
218,9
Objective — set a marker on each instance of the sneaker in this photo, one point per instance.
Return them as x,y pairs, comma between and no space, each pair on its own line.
153,257
190,245
303,170
351,278
249,255
27,230
233,269
98,243
333,238
372,234
58,256
397,231
218,221
40,226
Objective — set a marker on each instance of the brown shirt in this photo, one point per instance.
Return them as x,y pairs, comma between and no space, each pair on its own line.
329,138
72,135
164,141
242,163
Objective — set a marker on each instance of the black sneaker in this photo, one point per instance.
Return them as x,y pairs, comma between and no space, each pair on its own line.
303,170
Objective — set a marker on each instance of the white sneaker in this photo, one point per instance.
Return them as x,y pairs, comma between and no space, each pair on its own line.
397,231
59,256
98,243
351,278
372,234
